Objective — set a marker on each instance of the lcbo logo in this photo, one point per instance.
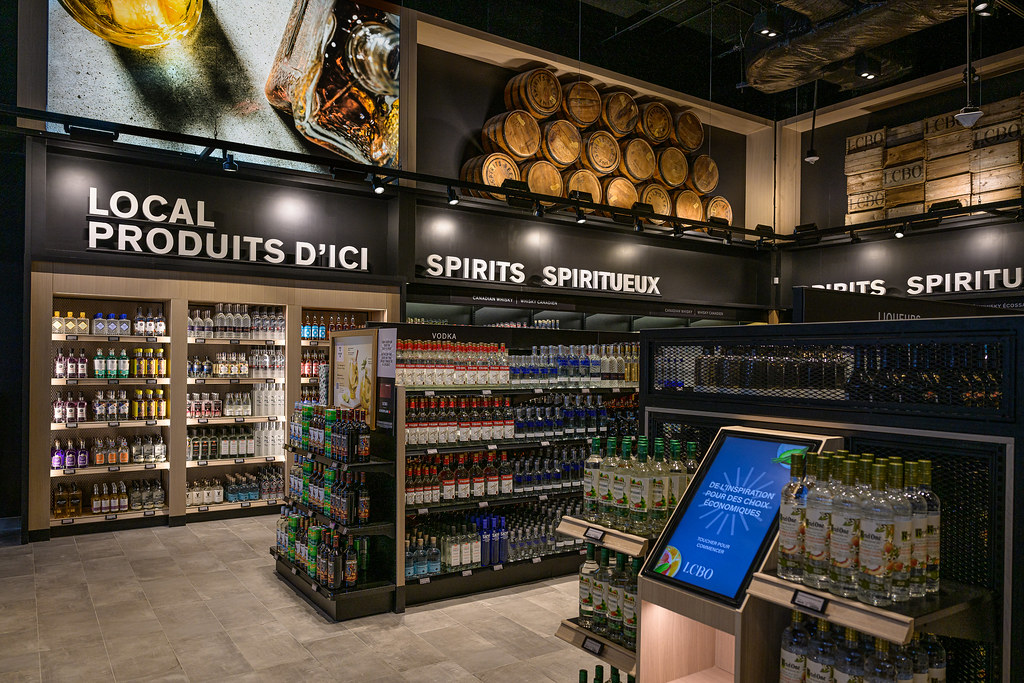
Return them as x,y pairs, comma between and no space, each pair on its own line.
697,570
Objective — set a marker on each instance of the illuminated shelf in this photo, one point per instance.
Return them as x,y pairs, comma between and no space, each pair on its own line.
110,425
234,342
242,505
225,462
94,382
599,646
110,338
309,380
235,380
613,539
317,342
107,469
486,389
111,517
233,420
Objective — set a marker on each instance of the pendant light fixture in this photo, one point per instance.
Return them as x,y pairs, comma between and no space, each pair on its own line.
970,114
812,154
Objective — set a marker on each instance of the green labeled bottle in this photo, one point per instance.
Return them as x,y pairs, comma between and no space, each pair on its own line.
630,604
658,502
614,595
591,482
620,488
640,476
598,589
605,497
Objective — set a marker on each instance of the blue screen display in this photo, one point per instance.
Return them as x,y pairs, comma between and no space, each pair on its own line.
725,522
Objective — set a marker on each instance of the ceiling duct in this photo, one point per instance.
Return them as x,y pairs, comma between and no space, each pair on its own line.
816,10
806,57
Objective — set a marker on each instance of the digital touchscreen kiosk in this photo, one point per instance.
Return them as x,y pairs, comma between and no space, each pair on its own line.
724,525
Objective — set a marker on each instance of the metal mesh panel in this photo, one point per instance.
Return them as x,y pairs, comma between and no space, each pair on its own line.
961,377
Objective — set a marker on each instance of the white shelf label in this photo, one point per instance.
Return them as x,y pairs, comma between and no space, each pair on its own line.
113,424
69,470
486,392
239,419
67,521
467,572
425,580
491,447
204,508
545,444
200,340
70,337
431,451
239,461
149,513
594,534
542,496
497,567
114,468
422,511
113,381
815,603
535,560
71,382
482,503
428,393
272,418
110,517
71,425
150,423
149,466
202,463
246,504
233,341
271,458
538,390
592,645
115,338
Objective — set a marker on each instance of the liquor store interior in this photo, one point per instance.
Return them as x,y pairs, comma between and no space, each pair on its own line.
670,342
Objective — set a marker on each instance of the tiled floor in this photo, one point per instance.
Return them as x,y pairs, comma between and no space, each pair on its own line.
203,603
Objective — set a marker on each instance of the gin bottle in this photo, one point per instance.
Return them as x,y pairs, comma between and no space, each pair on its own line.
874,580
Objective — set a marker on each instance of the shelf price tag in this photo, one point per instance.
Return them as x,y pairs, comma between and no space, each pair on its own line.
814,603
115,338
204,420
149,513
150,423
71,425
272,501
467,572
431,451
69,470
269,342
592,646
202,463
271,458
246,504
149,466
70,337
150,381
485,392
110,517
151,340
482,503
542,496
585,390
422,511
204,508
199,340
294,571
113,381
429,392
114,468
113,424
536,560
67,521
497,567
239,461
424,580
271,380
538,390
71,382
200,380
491,447
594,534
272,418
615,390
239,419
545,444
233,341
233,380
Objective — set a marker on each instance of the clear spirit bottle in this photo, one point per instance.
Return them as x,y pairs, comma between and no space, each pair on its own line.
791,522
903,533
934,526
818,515
793,660
605,494
849,667
821,655
874,580
598,587
919,540
844,535
587,571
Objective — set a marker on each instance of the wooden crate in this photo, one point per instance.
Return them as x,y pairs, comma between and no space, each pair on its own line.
864,141
943,124
900,135
905,210
996,179
865,201
867,160
910,151
947,166
905,174
864,217
996,156
905,194
1003,110
996,196
997,133
954,142
953,187
864,182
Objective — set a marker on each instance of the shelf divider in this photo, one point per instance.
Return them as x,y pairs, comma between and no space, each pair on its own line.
613,539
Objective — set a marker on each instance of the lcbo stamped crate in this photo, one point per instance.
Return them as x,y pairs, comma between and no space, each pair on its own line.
996,156
905,210
864,182
865,217
996,179
953,142
944,189
865,201
866,160
906,194
902,154
944,167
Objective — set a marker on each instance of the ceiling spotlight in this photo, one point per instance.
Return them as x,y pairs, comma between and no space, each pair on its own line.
767,24
581,218
868,67
638,224
981,6
538,210
229,164
811,156
900,231
453,197
968,116
855,238
376,184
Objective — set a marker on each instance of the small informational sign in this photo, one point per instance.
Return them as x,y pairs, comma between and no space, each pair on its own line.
354,371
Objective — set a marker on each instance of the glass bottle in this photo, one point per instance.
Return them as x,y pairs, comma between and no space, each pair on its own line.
919,536
621,487
614,593
587,571
598,587
874,580
849,667
640,476
793,659
821,655
791,521
903,533
878,665
660,474
934,526
817,522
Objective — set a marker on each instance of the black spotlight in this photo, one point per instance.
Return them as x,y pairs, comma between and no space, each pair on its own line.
901,231
538,210
453,197
581,217
229,164
868,67
768,24
855,238
376,184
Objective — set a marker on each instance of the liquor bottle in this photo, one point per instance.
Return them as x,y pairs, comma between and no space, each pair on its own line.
639,492
795,642
903,532
874,578
615,592
587,571
791,521
878,665
936,658
903,664
592,468
631,606
362,502
691,464
818,515
598,589
821,655
621,487
677,475
919,659
844,534
849,667
351,564
463,488
919,514
477,483
505,475
658,501
934,525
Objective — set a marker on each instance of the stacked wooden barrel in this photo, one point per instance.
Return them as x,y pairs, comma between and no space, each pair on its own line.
561,137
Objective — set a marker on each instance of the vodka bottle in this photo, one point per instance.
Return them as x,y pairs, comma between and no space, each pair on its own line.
936,659
614,592
874,580
878,665
903,532
818,516
821,655
598,587
932,536
591,480
844,535
849,666
606,500
630,607
640,476
658,501
919,544
795,641
791,522
587,571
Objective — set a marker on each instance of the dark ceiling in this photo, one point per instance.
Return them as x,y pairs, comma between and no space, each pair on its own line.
703,47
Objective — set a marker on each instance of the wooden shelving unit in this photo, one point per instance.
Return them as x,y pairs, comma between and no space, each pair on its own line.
611,652
613,539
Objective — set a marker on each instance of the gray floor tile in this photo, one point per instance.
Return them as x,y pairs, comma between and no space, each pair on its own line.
23,667
119,589
209,657
17,565
238,610
21,642
98,547
267,645
76,664
16,615
181,622
175,590
515,673
144,660
17,588
440,672
159,567
305,624
462,646
216,584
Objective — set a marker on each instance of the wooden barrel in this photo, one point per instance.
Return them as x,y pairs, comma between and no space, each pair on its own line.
671,166
718,207
537,92
489,169
515,133
583,180
657,196
600,152
703,176
636,160
619,113
688,131
619,192
655,122
687,205
560,143
542,177
581,104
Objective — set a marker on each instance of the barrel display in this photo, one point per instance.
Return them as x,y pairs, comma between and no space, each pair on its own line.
600,152
537,92
619,192
583,180
688,131
703,176
718,207
560,143
655,122
657,196
489,169
581,104
515,133
619,113
542,177
687,205
671,166
636,160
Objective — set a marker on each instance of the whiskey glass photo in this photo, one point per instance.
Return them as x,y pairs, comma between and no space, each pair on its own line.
139,24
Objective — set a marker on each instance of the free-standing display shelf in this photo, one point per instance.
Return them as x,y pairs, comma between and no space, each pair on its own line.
609,651
613,539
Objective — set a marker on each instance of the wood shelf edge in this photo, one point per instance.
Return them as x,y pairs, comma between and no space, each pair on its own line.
612,653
